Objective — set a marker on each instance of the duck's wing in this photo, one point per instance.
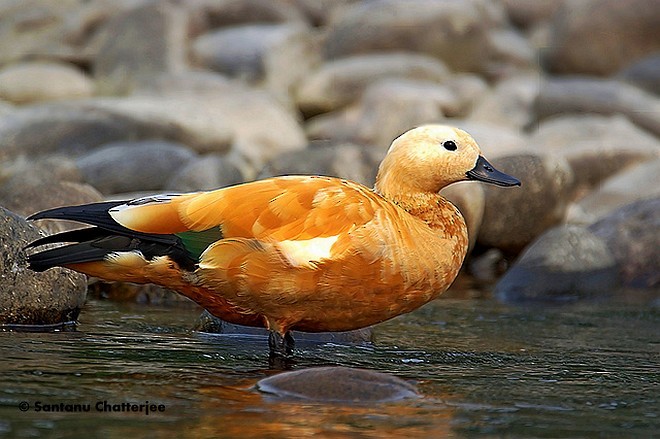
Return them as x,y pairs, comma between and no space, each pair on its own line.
302,215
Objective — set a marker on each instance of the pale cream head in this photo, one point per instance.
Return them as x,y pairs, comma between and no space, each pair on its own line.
426,159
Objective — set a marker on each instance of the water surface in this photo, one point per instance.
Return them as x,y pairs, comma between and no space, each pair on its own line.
484,369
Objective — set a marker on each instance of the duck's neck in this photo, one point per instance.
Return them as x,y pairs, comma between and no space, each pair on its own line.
434,209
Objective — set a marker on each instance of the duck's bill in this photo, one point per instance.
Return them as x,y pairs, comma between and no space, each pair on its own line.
484,171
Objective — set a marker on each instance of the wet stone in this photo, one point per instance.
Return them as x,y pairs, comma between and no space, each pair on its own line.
34,299
337,384
564,264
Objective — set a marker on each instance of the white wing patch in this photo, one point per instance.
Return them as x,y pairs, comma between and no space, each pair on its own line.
304,253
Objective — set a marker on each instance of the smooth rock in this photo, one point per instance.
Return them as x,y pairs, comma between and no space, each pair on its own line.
565,263
30,82
278,56
26,196
337,384
644,74
455,31
514,217
494,140
599,37
77,127
467,90
510,103
138,44
28,298
635,183
205,173
226,13
633,235
338,83
529,13
388,108
348,161
209,323
53,30
607,97
596,147
133,166
137,293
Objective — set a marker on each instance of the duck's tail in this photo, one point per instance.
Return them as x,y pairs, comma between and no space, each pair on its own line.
105,240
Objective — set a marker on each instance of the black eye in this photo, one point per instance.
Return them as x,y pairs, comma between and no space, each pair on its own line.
450,145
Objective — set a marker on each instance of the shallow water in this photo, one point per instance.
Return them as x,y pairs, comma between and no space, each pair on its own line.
484,369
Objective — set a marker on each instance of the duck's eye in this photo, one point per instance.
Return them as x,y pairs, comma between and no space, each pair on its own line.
450,145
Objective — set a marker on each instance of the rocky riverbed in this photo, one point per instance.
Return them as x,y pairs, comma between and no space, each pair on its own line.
105,99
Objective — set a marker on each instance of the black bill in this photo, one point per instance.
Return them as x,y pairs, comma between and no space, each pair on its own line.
484,171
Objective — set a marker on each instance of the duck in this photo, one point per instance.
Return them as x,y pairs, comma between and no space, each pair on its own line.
293,252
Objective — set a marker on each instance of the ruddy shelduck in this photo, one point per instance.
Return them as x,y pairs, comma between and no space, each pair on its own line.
306,253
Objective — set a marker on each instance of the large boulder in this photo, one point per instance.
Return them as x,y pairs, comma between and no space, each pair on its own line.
277,56
138,44
28,298
337,83
565,263
599,37
560,96
595,146
514,217
619,190
30,82
633,235
468,35
133,166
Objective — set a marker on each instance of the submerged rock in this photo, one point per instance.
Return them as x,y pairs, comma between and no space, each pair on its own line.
337,384
27,298
565,263
209,323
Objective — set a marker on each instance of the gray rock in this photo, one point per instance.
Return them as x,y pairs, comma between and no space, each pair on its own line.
495,140
138,44
26,196
586,95
236,12
644,74
514,217
205,173
133,166
529,13
599,37
347,161
278,56
30,82
633,184
337,384
457,32
389,107
53,30
633,235
209,323
28,298
565,263
340,82
510,103
137,293
78,126
596,147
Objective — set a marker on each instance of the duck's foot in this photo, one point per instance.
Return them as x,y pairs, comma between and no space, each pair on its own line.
281,345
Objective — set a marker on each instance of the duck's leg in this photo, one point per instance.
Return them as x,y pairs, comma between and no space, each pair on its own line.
281,345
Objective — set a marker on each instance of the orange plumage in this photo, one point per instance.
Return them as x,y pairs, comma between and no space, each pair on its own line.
295,252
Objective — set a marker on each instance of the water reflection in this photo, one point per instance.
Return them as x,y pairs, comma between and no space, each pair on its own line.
484,368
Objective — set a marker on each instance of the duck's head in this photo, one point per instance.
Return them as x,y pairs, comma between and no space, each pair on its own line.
430,157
